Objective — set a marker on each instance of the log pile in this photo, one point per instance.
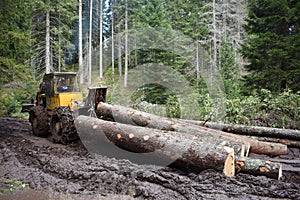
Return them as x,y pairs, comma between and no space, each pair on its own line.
185,144
130,116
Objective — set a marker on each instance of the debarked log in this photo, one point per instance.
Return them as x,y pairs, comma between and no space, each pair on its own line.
127,115
184,150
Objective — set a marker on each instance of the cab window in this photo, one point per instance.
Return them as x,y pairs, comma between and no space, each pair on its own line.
66,84
49,88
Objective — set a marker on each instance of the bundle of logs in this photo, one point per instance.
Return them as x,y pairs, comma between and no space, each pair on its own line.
192,145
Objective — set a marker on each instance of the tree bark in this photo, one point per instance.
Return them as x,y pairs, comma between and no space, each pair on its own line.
184,150
251,130
258,167
127,115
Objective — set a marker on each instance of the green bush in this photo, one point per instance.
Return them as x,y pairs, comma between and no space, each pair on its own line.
265,109
11,100
8,104
173,107
262,108
205,106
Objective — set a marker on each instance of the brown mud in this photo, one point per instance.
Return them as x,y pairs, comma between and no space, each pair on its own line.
56,171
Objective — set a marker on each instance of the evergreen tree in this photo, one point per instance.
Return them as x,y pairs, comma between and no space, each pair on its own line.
188,17
229,70
15,20
272,49
149,14
51,31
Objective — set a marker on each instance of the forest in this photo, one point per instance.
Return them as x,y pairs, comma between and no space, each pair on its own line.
227,61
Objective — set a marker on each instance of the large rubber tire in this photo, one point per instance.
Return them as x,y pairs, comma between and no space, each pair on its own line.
39,121
62,126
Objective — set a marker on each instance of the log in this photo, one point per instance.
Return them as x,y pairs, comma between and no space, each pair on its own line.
289,143
180,151
130,116
184,150
251,130
258,167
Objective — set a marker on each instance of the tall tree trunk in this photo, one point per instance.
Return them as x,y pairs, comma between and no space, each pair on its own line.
59,52
86,60
101,41
119,51
197,59
126,44
47,58
214,34
90,44
80,54
112,42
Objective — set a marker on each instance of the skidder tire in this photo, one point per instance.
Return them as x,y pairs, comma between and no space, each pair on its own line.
39,121
62,126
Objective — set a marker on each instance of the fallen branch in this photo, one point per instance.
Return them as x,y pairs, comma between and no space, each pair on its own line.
130,116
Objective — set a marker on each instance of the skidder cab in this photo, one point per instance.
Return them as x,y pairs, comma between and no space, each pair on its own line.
61,89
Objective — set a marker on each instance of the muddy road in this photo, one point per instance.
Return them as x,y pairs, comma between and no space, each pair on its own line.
70,172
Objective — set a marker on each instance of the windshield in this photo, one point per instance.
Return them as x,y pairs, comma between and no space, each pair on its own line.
66,83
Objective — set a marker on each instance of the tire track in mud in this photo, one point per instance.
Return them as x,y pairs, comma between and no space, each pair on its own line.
71,169
76,174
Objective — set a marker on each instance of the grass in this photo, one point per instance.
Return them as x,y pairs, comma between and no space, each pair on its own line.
10,185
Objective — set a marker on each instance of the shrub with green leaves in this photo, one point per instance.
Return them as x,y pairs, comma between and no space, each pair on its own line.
261,108
265,109
173,107
8,104
11,100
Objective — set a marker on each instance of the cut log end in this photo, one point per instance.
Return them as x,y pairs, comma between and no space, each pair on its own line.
95,127
247,149
146,137
243,150
280,171
229,167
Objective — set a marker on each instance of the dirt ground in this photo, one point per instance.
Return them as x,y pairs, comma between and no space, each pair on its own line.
55,171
